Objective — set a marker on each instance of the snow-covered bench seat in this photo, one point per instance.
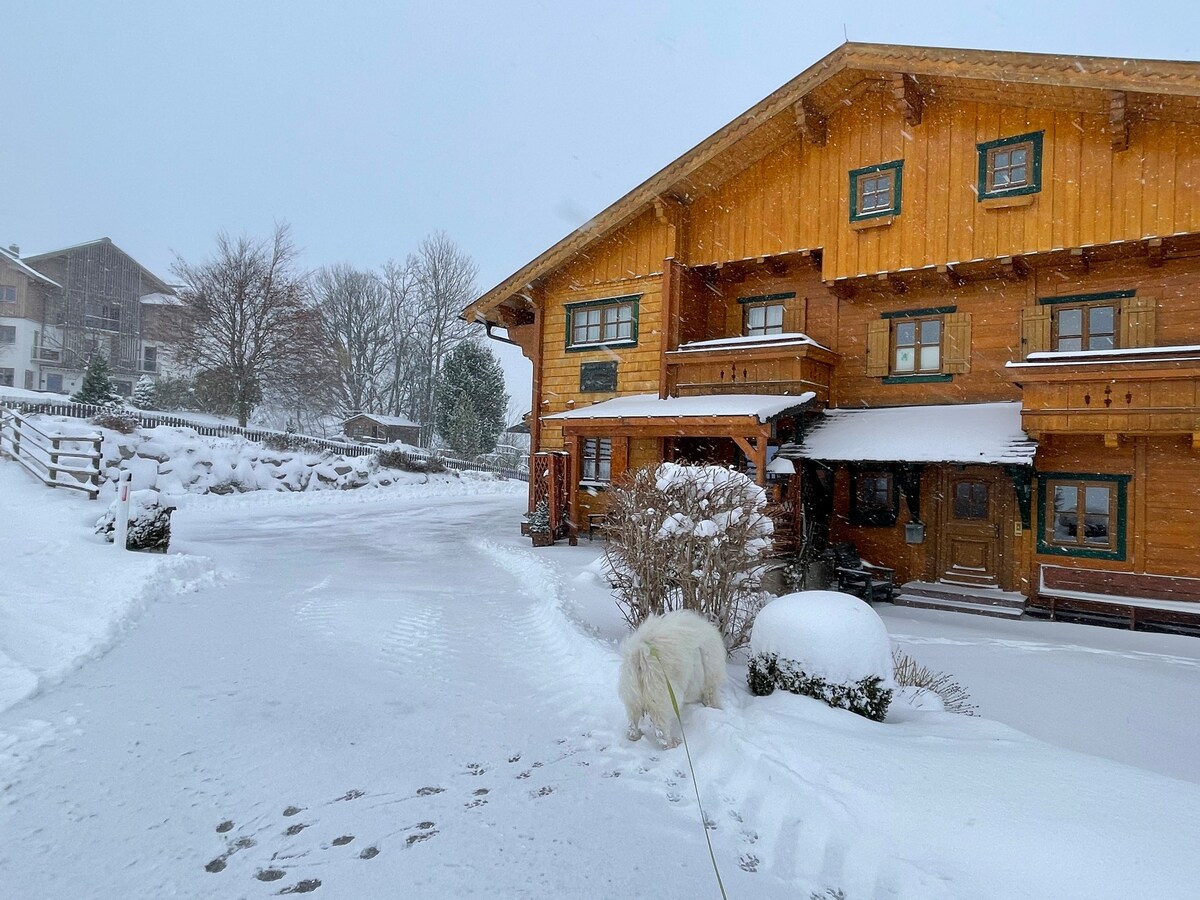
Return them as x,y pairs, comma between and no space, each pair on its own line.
1169,602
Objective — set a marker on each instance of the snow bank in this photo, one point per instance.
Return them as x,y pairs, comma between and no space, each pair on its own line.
176,461
827,634
54,617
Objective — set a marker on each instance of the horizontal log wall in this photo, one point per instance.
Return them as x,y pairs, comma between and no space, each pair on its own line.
1163,495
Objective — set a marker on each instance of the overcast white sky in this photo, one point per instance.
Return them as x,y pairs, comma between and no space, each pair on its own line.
368,125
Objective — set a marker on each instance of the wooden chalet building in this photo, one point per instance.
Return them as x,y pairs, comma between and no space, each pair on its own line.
956,292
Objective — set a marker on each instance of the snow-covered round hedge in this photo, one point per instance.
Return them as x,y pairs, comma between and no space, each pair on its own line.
826,645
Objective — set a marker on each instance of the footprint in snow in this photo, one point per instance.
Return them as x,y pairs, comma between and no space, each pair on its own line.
429,791
303,887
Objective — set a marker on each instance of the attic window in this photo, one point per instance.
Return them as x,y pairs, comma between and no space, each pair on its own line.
1010,166
875,191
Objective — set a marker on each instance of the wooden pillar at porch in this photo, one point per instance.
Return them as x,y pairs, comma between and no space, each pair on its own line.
755,447
574,447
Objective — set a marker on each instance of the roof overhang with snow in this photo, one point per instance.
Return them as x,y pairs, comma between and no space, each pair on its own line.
27,270
761,408
981,433
834,79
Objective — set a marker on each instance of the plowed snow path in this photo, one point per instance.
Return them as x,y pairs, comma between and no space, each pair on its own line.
374,702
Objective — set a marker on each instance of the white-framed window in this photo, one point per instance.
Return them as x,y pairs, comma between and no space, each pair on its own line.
6,377
149,359
8,294
8,334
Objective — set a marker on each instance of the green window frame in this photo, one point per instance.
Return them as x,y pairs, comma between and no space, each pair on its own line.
1103,502
1010,166
876,191
607,322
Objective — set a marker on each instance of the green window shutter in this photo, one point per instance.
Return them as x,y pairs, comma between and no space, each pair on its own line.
1035,330
1137,322
879,339
956,343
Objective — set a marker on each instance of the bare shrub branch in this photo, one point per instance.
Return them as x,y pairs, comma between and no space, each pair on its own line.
689,537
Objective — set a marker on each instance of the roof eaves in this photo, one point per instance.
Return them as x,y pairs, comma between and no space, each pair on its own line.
1095,72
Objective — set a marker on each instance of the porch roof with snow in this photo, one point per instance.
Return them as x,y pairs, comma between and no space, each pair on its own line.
965,433
762,407
390,421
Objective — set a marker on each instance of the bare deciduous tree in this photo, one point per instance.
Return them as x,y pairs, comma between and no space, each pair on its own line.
245,320
357,319
444,281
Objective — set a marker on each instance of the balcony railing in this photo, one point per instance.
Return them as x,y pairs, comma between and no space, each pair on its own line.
46,354
763,364
1142,391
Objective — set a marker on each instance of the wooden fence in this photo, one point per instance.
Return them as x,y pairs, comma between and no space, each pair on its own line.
287,440
59,460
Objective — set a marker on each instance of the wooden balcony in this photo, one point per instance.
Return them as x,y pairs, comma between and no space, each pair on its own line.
768,364
1148,391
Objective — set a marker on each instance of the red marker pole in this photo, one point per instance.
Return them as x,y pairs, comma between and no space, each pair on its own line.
122,523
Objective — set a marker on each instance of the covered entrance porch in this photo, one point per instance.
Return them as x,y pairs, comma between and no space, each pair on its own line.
608,439
940,494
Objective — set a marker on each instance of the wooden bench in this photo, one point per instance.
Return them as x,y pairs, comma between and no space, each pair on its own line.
1137,599
858,577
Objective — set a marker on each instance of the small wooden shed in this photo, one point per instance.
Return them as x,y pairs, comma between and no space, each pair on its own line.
381,429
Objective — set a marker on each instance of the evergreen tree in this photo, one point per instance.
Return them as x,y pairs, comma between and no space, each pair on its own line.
144,394
97,388
471,401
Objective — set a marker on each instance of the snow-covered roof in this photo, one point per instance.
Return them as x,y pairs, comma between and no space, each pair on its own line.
160,299
393,421
959,433
15,261
636,406
755,340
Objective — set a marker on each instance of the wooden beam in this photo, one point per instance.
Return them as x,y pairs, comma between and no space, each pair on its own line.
1118,120
1015,266
897,285
1196,440
1111,441
908,97
812,124
841,288
950,276
1154,252
1079,256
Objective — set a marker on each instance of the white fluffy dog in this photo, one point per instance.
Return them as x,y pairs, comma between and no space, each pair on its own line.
687,649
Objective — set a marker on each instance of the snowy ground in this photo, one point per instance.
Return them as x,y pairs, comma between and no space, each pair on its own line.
389,693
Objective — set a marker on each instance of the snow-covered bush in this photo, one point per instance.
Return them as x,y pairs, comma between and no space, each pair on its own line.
539,518
149,522
911,674
144,393
826,645
118,420
689,537
405,461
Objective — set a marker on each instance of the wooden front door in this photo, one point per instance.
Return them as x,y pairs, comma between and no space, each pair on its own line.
973,508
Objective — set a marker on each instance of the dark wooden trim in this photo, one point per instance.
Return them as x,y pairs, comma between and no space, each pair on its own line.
918,313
